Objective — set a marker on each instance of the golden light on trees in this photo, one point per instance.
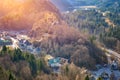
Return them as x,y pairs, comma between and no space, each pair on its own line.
11,4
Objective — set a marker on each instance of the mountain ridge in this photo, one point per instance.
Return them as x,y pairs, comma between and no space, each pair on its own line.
23,15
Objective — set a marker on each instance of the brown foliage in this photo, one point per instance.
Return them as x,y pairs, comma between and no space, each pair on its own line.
16,15
20,69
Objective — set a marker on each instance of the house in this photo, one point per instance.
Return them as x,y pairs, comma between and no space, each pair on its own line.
56,63
48,57
5,42
22,37
37,50
114,65
29,48
98,67
64,61
105,76
26,42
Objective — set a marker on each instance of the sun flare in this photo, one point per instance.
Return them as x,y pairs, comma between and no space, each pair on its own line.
10,4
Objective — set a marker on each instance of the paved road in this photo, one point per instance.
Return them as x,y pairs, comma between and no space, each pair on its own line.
14,43
111,52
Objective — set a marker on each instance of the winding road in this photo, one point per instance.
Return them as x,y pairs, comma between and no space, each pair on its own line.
111,52
14,43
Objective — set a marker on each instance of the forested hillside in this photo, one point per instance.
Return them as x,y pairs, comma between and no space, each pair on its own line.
18,65
76,36
88,21
102,22
22,15
111,38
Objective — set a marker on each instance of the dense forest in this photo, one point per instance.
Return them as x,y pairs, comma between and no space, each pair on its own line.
70,43
91,21
18,65
75,36
111,38
102,22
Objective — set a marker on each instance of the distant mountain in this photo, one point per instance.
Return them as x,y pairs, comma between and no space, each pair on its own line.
62,5
65,5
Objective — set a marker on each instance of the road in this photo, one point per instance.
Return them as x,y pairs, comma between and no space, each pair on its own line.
14,43
114,53
111,52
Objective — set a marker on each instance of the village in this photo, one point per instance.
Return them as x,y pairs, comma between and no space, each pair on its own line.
107,71
17,40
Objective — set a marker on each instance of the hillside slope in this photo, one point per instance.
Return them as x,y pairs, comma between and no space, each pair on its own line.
19,15
54,36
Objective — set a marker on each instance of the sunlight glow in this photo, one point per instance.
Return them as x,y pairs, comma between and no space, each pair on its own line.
10,4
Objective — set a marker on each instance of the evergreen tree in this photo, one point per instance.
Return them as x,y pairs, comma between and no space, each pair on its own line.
3,74
99,78
67,69
4,48
87,78
11,76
